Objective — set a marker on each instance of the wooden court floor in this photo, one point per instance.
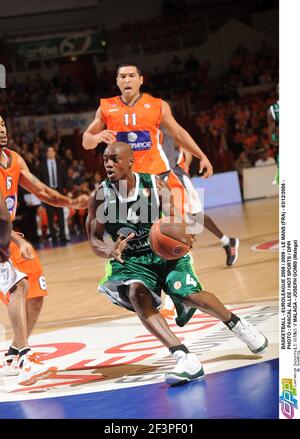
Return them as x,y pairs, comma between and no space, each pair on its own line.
73,272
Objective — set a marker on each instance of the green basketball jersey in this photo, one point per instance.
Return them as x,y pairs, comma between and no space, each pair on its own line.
134,214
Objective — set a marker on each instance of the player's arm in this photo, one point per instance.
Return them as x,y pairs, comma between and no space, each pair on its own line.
167,201
166,198
46,194
96,133
95,228
182,138
5,230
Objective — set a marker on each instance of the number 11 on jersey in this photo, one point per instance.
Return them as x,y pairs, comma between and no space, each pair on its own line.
127,120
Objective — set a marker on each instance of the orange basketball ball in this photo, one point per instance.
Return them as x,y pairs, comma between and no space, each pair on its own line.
168,239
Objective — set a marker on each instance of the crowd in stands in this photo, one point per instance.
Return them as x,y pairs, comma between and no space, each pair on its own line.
248,68
238,126
36,95
182,24
61,93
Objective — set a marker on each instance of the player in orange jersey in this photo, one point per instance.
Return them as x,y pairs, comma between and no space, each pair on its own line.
22,284
134,118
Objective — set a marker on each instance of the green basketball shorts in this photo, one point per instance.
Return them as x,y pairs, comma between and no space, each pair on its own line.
177,278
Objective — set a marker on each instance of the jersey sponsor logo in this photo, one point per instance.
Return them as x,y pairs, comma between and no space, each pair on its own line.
113,109
132,137
147,106
177,285
138,140
10,203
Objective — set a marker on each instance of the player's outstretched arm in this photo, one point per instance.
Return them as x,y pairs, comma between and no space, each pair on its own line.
96,133
50,196
5,230
95,228
183,138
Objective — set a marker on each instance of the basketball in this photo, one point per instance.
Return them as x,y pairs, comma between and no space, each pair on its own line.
169,239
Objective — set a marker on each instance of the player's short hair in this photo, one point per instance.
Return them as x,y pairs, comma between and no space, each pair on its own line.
129,64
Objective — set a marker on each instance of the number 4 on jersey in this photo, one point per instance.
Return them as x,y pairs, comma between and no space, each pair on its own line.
190,280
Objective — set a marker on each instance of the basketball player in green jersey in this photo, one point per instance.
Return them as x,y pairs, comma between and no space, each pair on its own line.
273,124
125,206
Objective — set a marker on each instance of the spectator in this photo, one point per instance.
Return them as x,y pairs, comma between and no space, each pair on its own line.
242,163
264,160
53,174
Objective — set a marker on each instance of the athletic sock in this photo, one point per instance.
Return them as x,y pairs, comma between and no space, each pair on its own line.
13,351
180,347
24,351
232,321
224,240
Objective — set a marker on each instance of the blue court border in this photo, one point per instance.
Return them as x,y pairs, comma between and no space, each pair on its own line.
249,392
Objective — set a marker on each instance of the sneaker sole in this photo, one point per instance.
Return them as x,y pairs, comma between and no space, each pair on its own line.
236,254
176,380
33,379
11,374
262,348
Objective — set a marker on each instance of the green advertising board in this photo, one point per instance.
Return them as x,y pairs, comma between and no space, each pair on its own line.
57,47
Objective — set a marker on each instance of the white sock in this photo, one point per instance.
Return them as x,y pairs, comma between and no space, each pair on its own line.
224,240
179,354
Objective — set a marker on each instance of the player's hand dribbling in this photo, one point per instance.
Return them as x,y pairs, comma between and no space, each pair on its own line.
119,247
205,168
106,136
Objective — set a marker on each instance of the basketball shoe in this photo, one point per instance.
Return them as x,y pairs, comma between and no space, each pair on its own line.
188,368
254,339
10,365
32,369
232,251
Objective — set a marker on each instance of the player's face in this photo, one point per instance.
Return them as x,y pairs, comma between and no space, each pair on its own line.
3,133
117,164
129,81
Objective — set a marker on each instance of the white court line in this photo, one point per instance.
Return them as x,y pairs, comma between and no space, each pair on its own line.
82,319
